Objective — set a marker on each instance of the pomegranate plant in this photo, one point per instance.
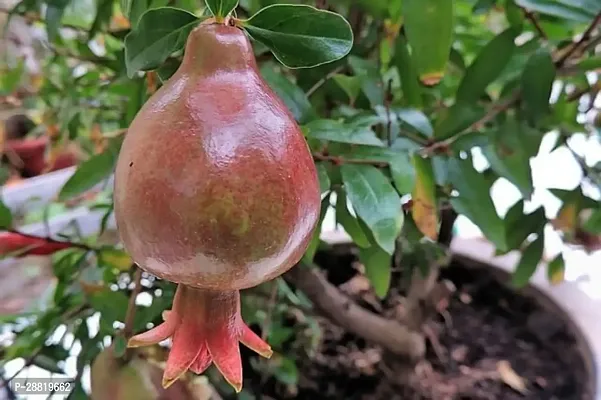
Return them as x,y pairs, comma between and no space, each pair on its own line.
239,132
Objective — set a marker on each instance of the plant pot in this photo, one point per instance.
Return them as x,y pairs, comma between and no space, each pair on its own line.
566,305
32,153
580,311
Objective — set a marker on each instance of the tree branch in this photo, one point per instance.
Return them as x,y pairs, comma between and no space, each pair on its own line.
130,315
323,80
389,334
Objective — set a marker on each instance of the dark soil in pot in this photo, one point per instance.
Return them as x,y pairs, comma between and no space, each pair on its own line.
486,323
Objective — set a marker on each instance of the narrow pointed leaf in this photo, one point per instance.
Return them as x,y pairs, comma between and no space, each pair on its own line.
336,131
315,240
160,32
375,201
457,119
349,222
402,171
412,95
54,13
537,82
324,179
221,8
487,67
556,270
377,264
293,96
6,218
350,84
529,262
563,9
371,80
518,226
424,210
474,200
301,36
415,119
92,171
429,28
593,223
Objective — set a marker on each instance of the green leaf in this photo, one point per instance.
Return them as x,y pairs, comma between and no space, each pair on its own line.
6,217
47,363
415,119
537,82
221,8
126,6
54,13
104,12
529,262
137,97
293,96
429,28
518,226
556,270
377,264
120,346
424,210
160,32
402,171
324,179
375,201
301,36
350,84
336,131
315,240
349,222
92,171
412,94
509,156
167,69
112,305
593,223
457,119
474,200
514,14
487,67
371,80
584,12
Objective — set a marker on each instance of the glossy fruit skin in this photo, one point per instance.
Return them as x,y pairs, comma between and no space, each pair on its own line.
215,186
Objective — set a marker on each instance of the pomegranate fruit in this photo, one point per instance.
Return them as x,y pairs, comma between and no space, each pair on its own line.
216,190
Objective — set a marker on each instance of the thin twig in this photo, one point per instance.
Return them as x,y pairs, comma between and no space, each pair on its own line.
575,45
338,160
492,113
387,101
586,170
532,18
323,80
